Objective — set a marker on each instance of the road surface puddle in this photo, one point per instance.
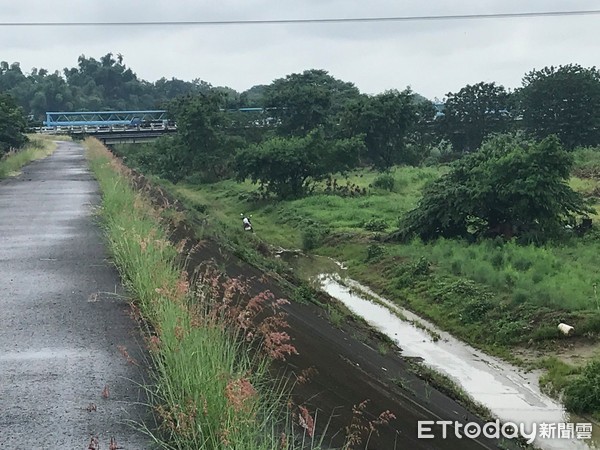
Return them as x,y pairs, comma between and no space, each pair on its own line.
43,354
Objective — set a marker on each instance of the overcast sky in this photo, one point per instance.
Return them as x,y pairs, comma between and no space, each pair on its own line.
433,57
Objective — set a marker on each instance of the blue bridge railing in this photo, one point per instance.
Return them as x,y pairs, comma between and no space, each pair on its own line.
103,118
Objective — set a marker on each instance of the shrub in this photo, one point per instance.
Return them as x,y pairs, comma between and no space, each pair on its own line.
456,267
522,264
410,273
520,296
312,232
385,181
304,293
466,202
375,225
201,207
421,267
311,237
582,395
475,310
497,260
375,251
509,332
544,332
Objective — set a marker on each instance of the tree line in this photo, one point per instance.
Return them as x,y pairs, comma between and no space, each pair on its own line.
306,126
94,85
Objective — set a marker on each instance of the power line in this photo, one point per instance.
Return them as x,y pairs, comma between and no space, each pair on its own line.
305,21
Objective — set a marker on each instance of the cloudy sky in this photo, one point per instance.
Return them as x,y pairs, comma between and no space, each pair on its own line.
433,57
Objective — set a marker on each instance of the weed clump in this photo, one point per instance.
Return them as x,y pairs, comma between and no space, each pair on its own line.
408,274
374,252
375,225
312,237
385,181
582,395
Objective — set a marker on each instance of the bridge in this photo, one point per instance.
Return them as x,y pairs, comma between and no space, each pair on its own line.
117,127
103,118
110,127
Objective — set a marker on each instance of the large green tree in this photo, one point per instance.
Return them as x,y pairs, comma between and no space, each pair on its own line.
562,100
301,102
423,134
385,121
12,124
285,166
473,113
202,125
510,187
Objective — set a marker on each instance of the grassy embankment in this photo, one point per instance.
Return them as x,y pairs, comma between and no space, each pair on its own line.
209,391
39,146
495,295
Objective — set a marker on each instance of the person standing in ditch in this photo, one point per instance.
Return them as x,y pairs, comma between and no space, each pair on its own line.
246,223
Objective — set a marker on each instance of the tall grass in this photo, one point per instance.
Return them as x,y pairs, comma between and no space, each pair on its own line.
284,221
210,392
36,148
213,388
560,277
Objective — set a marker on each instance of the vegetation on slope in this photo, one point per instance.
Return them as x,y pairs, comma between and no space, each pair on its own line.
37,147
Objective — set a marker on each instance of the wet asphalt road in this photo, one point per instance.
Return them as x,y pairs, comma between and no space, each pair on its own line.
63,331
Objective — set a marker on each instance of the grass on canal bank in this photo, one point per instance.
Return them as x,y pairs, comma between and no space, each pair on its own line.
209,391
38,147
495,295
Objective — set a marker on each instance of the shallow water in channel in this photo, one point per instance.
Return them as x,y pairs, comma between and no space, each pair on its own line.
509,392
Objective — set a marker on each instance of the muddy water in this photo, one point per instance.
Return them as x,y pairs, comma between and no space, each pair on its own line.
511,394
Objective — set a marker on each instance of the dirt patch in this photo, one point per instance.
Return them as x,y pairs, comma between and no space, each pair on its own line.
576,351
587,172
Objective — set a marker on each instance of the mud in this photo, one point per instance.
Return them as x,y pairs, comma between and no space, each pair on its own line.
63,323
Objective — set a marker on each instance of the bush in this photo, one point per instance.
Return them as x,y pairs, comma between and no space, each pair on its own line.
375,225
304,293
311,238
467,203
475,310
583,394
497,260
385,181
522,264
408,274
456,267
375,251
440,153
520,296
509,331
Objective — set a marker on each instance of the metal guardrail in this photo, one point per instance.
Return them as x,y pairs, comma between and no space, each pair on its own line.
114,134
101,118
106,129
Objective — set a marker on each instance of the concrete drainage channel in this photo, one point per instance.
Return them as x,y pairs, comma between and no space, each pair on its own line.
508,392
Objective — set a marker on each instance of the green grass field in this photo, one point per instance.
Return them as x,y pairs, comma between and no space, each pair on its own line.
527,288
493,294
280,222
